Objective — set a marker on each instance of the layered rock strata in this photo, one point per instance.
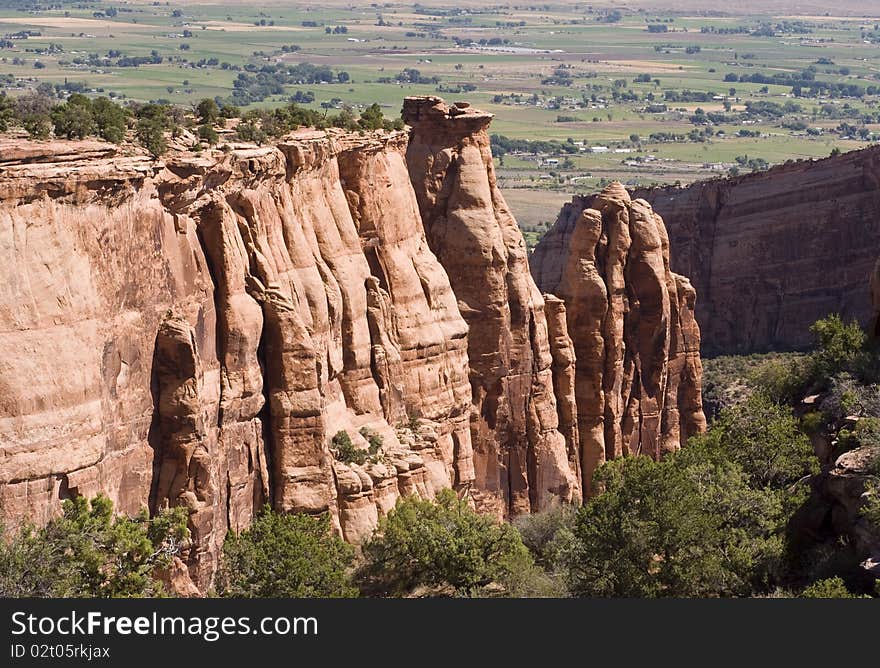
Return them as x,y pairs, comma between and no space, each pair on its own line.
199,331
520,456
631,320
769,253
632,343
196,332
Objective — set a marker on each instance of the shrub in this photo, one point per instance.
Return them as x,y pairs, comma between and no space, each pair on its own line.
153,121
208,134
151,134
838,343
444,546
688,526
110,119
372,118
870,511
249,131
813,423
847,396
374,439
208,111
782,378
33,112
547,534
764,439
286,556
74,118
828,588
346,451
6,112
87,552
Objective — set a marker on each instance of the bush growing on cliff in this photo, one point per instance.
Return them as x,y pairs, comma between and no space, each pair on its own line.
87,552
74,119
81,117
372,118
110,119
443,547
346,451
153,120
208,134
208,111
32,111
286,556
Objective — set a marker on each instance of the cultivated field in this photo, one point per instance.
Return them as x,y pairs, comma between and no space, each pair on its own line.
643,93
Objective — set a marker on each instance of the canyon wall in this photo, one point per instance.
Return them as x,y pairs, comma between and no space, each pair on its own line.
631,319
198,331
768,253
520,456
605,369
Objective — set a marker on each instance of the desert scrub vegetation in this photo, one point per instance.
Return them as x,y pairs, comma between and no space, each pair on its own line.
729,379
77,117
345,451
286,555
88,552
444,547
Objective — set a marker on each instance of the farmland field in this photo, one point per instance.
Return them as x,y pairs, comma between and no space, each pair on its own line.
582,92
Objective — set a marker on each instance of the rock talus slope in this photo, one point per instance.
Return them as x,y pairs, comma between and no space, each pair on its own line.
196,331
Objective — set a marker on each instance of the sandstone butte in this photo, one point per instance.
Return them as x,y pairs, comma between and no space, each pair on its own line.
769,253
194,331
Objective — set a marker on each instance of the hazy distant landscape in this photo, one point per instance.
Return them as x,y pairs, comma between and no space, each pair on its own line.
582,92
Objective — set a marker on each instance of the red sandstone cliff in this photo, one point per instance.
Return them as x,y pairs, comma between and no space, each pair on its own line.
520,457
195,332
768,253
636,343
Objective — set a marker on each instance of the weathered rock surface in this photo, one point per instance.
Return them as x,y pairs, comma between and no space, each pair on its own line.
195,332
636,343
768,253
520,456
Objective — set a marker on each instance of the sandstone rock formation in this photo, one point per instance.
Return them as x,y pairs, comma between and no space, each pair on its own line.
637,345
768,253
520,457
197,331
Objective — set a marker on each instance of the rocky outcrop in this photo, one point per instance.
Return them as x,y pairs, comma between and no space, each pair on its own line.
622,325
637,375
198,331
520,456
768,253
